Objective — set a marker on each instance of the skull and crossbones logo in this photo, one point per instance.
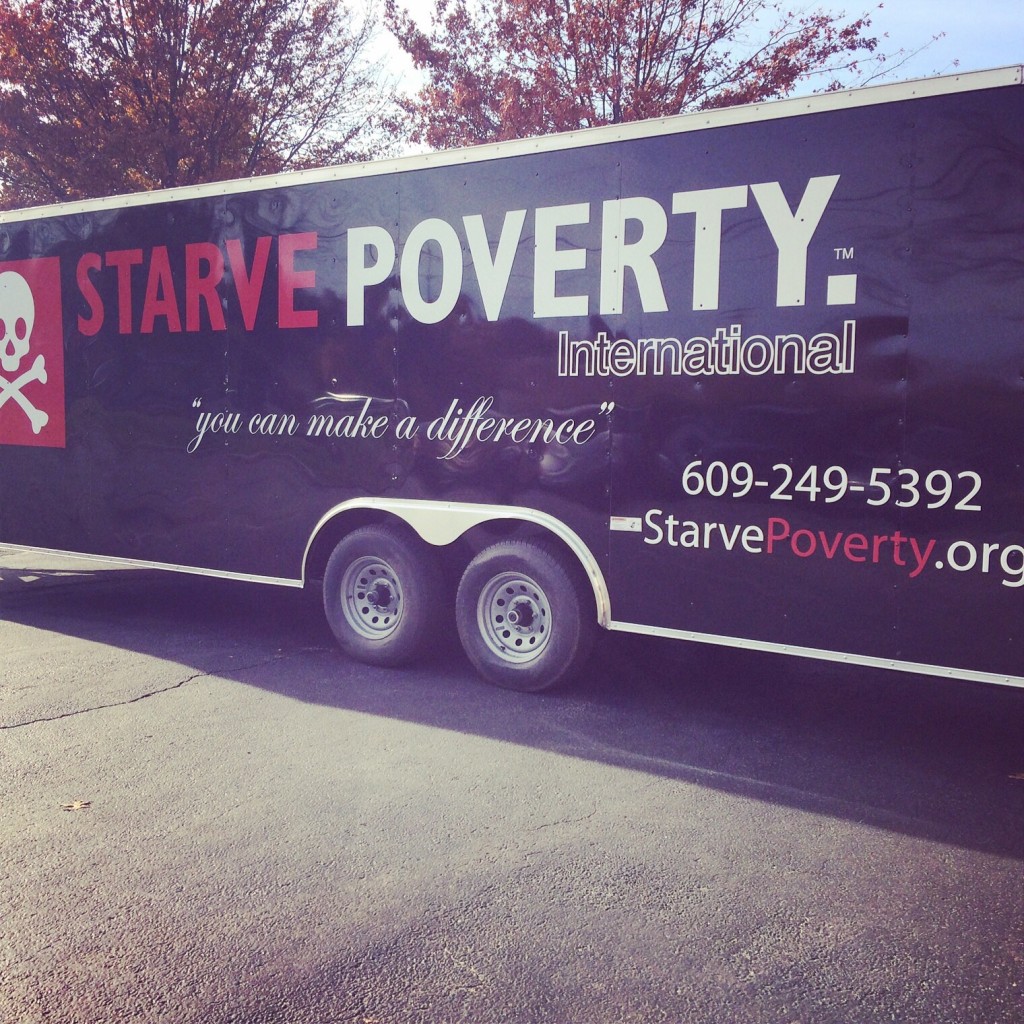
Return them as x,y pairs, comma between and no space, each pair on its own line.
17,318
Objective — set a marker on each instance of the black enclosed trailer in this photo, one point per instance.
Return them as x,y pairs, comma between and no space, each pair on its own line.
752,377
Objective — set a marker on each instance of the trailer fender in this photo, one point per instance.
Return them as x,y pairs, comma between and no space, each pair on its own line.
440,522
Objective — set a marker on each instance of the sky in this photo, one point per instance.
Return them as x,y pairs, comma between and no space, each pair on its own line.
978,33
975,34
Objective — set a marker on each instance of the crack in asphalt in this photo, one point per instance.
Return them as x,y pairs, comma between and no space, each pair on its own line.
134,700
564,821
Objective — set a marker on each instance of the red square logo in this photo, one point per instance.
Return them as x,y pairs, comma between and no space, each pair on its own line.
31,354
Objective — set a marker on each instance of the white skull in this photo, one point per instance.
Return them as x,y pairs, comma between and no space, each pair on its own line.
17,317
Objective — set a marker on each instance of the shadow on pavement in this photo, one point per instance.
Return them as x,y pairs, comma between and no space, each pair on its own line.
937,759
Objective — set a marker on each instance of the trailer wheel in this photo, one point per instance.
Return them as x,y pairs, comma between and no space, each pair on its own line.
382,592
522,619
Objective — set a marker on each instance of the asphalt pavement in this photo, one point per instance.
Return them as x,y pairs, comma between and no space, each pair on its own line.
207,814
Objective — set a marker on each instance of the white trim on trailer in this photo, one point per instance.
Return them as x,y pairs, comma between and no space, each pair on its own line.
864,660
677,124
138,563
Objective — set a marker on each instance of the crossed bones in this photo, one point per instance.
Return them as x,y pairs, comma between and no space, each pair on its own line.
13,389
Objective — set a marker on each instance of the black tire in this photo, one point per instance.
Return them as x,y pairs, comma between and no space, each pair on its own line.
383,595
524,618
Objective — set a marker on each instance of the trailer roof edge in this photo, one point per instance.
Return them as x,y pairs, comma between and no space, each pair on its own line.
919,88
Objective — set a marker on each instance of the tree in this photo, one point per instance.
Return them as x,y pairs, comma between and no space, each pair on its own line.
501,69
106,96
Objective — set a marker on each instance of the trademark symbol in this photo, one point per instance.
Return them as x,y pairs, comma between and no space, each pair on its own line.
844,253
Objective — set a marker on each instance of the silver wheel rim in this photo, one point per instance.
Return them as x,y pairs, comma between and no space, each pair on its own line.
371,598
514,617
